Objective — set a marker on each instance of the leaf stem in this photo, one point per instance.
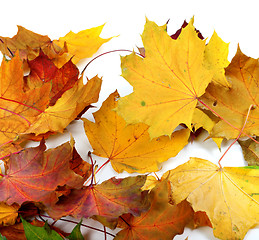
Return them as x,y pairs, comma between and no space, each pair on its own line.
84,225
124,221
118,50
105,233
92,163
98,170
241,131
10,155
237,136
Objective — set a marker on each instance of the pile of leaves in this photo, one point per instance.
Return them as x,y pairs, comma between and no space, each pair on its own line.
181,85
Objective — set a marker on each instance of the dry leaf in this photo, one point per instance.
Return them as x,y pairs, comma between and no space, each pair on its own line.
229,196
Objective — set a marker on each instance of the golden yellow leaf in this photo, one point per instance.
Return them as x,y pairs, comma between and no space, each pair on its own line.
166,82
216,57
82,44
129,147
229,195
68,106
8,214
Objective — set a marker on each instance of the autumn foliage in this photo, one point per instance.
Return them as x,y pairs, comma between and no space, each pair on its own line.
181,84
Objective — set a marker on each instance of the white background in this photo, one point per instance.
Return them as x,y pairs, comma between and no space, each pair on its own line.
234,21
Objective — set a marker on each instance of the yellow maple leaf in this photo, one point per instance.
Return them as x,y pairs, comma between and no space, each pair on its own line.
8,214
68,106
229,195
80,45
129,147
167,81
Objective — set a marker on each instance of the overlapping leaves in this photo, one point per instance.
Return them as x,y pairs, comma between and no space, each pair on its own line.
178,80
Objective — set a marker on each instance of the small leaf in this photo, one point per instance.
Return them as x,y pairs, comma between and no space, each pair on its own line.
8,214
33,232
76,233
2,237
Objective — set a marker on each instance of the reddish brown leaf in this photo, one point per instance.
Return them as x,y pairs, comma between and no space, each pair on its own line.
43,70
28,209
176,35
33,175
109,199
162,221
79,166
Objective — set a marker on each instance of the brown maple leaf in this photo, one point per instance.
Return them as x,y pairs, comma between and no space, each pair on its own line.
109,200
162,221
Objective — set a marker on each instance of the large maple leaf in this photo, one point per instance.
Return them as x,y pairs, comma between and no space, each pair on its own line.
109,200
128,147
229,195
161,221
167,82
33,175
232,104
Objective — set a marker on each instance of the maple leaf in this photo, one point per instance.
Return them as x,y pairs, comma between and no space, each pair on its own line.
109,199
229,195
250,151
167,82
232,104
18,109
82,44
129,147
68,106
43,70
8,214
33,175
161,221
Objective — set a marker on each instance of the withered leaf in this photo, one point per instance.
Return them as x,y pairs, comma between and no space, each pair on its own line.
34,174
109,199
